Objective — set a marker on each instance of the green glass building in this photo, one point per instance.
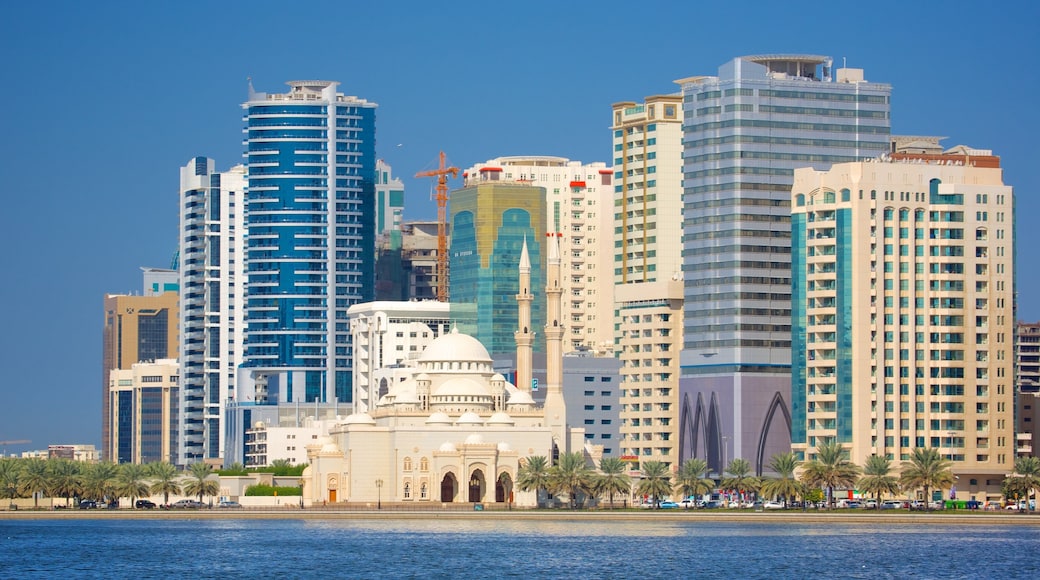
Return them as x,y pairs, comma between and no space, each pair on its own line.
489,222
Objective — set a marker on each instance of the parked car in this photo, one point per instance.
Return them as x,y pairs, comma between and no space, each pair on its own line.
229,504
144,504
714,504
88,504
773,505
187,504
892,504
937,505
668,505
870,504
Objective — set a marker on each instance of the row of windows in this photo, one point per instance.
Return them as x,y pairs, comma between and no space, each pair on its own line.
764,139
788,125
844,97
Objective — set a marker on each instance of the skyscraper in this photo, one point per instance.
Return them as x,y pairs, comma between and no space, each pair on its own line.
745,132
904,320
212,313
311,239
490,220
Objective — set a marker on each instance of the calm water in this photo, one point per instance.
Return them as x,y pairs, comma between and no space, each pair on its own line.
520,549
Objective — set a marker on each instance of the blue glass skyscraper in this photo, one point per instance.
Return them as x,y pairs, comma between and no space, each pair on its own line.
310,235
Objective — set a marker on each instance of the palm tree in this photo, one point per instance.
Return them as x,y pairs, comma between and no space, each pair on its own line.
164,480
198,483
612,478
533,474
130,482
66,479
740,478
571,475
1026,478
10,476
35,480
926,469
784,484
831,469
99,480
692,478
877,479
656,482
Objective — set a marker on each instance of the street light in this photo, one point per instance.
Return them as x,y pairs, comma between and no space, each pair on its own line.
379,494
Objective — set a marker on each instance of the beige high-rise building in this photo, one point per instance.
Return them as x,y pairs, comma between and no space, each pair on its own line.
903,323
648,189
651,319
143,402
578,204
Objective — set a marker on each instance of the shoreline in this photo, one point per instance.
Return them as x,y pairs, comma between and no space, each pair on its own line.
981,519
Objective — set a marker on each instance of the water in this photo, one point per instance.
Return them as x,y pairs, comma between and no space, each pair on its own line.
452,548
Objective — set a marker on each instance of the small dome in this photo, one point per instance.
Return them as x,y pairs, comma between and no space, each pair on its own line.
520,398
455,347
475,439
359,419
330,447
439,418
470,418
406,396
500,418
503,446
448,447
422,377
498,377
258,425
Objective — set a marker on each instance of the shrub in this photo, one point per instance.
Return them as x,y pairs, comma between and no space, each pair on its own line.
261,489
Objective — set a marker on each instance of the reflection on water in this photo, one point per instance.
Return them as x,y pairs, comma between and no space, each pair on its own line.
448,548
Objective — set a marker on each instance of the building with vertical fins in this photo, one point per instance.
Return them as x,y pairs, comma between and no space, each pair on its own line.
903,312
136,329
453,430
212,315
310,251
489,222
746,130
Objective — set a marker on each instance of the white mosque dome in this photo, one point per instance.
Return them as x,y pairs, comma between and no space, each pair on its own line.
330,447
439,418
500,418
455,347
406,396
359,419
475,439
498,377
519,397
422,377
470,418
503,446
461,387
448,447
258,425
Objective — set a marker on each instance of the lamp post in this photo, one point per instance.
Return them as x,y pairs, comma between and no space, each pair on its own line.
379,494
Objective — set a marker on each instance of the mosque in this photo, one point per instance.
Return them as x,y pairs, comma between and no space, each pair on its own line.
453,430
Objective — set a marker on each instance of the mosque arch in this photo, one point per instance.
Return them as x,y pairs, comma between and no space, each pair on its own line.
476,485
777,403
449,487
504,488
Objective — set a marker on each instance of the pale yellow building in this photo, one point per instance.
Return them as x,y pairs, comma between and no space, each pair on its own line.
903,323
143,403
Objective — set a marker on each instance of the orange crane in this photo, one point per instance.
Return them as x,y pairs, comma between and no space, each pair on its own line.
442,174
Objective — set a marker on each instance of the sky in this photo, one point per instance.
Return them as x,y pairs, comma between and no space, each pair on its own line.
103,102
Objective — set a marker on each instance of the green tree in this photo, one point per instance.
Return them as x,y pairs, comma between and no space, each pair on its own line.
740,477
131,483
784,484
164,480
235,468
66,479
877,478
572,476
612,478
10,476
656,481
831,469
1026,478
534,475
99,480
198,483
35,479
692,479
927,469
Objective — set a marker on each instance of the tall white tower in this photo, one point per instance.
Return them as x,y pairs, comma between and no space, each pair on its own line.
524,335
555,408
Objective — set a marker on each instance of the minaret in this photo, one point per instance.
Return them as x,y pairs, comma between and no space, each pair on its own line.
555,408
524,335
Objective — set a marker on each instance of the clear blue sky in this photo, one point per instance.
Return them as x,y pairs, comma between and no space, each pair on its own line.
102,102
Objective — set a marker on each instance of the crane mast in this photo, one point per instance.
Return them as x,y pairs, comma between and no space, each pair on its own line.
442,173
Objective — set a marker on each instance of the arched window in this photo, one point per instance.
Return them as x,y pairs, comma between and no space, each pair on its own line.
799,200
422,491
424,464
407,490
407,464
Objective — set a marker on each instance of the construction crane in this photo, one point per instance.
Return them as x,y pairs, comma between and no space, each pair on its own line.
4,444
442,173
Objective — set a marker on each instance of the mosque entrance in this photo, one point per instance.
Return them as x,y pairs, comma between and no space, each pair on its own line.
504,489
449,487
476,486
